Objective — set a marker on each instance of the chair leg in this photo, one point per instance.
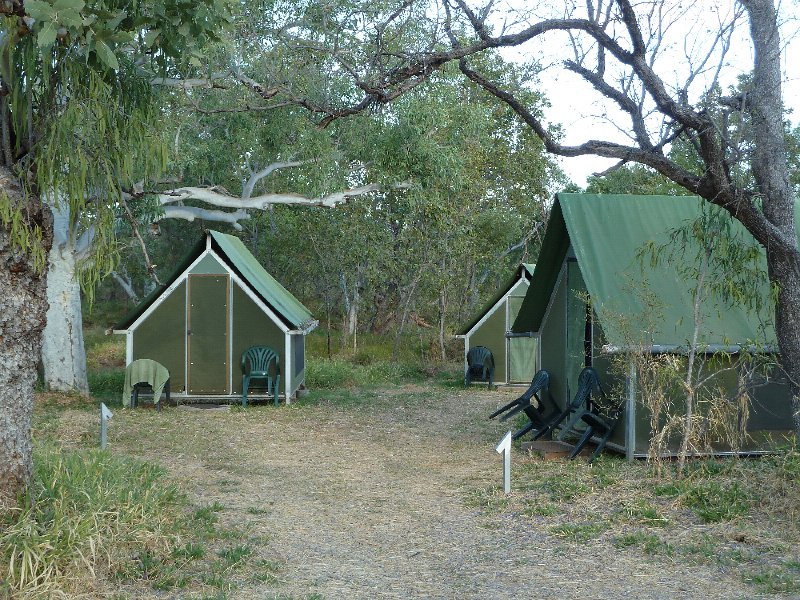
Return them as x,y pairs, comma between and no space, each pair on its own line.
523,431
551,426
135,399
573,420
587,435
503,408
601,445
245,384
519,407
277,388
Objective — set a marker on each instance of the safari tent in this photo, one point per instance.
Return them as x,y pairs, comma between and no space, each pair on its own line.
515,358
218,302
594,299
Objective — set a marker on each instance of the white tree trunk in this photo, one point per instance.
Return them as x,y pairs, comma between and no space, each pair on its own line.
63,351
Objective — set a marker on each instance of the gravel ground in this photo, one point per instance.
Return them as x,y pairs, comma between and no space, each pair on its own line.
367,500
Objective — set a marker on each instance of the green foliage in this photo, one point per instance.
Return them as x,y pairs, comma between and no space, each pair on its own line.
24,235
82,111
633,179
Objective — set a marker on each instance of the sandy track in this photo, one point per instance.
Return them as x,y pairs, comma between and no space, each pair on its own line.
368,501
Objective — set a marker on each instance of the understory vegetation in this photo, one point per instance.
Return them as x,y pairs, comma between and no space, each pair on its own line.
104,523
740,515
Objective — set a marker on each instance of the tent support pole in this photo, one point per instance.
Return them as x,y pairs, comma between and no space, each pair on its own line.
630,412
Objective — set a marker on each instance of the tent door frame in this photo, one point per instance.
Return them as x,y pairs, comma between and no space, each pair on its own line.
227,344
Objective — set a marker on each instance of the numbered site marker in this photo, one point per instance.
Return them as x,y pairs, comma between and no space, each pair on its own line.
105,415
504,448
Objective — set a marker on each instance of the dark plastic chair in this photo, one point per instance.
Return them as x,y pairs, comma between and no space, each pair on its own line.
480,365
539,417
538,414
257,363
600,420
143,373
588,383
144,385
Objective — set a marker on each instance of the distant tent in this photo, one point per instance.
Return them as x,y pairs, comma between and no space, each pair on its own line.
588,298
515,358
217,303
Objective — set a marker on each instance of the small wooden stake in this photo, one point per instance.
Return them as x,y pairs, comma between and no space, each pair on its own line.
105,415
504,448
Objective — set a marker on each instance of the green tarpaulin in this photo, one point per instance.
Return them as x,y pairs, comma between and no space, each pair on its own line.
607,234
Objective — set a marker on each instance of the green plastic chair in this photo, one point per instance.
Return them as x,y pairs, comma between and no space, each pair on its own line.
480,365
257,363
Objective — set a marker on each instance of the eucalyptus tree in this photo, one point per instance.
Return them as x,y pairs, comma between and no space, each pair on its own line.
215,140
479,193
646,67
74,115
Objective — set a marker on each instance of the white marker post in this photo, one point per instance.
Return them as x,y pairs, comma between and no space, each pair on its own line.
105,415
504,448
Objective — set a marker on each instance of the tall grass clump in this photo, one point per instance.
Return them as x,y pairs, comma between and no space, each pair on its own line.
87,512
341,373
107,383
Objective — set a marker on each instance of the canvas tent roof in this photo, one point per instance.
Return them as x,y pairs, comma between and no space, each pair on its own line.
231,250
606,231
524,270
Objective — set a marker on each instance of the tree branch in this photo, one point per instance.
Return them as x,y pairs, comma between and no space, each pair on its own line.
223,200
151,268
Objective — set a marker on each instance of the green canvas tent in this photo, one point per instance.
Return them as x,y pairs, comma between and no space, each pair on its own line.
591,295
514,358
217,303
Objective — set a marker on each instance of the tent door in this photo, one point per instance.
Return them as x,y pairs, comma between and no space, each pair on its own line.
521,352
208,371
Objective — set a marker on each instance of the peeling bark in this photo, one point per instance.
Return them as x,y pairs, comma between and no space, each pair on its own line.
23,308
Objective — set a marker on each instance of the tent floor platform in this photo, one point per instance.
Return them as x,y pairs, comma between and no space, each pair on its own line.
512,387
549,449
227,399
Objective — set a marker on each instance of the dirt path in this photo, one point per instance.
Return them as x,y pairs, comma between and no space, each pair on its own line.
367,501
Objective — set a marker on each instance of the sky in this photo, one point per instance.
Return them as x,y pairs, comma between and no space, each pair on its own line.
575,107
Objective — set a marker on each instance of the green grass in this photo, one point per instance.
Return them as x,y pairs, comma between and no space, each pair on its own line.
107,384
775,580
738,515
491,499
84,505
580,532
236,555
643,512
119,516
712,500
339,373
650,543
